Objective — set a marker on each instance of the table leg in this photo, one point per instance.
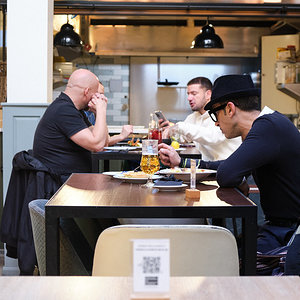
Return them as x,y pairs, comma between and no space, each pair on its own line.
95,164
249,245
106,165
52,244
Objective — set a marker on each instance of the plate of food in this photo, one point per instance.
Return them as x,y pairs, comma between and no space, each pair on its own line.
135,177
133,143
184,174
170,188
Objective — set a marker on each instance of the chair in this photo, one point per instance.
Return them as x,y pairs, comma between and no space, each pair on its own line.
70,263
195,250
30,179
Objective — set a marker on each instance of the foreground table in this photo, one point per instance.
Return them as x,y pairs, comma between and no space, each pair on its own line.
181,288
101,196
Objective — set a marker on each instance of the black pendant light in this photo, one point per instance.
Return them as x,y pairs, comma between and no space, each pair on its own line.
67,37
207,38
67,42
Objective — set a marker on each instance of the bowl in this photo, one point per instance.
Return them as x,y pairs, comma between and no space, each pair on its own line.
184,174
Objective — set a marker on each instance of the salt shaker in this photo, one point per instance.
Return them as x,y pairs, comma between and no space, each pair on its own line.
193,174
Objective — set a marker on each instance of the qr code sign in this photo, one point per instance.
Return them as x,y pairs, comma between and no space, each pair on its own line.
151,264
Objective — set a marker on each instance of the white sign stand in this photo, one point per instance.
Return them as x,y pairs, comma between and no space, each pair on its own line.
151,269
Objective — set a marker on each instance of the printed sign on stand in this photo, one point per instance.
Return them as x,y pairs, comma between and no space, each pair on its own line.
151,268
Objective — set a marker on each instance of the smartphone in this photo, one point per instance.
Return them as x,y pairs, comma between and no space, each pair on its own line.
160,115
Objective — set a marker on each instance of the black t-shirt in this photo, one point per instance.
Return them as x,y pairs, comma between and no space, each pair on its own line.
52,144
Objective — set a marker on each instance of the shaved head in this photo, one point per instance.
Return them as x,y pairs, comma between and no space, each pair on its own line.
83,78
81,87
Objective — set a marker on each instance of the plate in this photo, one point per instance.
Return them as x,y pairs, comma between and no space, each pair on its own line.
184,174
168,188
135,180
180,149
120,148
112,173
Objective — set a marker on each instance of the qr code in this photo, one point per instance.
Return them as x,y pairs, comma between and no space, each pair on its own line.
151,280
151,264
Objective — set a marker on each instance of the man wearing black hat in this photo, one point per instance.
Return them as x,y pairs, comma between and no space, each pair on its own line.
270,152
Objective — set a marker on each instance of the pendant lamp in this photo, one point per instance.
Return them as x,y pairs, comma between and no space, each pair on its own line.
67,37
68,43
207,38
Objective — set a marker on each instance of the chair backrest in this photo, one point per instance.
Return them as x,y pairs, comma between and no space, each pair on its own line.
70,263
195,250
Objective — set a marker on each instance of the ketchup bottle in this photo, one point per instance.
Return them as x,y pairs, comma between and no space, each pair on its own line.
154,132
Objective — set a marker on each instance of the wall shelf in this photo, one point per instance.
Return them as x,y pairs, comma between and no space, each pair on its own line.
291,89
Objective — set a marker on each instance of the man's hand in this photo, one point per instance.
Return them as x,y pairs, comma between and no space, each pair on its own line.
244,188
163,124
97,103
168,155
126,131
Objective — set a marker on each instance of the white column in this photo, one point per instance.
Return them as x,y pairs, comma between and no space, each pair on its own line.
29,51
29,81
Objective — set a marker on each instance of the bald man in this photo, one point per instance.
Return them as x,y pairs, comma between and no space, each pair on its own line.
64,139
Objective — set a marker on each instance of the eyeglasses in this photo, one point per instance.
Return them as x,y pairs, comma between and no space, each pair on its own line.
212,112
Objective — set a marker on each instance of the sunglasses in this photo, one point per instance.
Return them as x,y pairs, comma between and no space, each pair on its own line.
212,112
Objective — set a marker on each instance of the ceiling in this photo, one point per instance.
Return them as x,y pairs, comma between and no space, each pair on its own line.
225,13
180,7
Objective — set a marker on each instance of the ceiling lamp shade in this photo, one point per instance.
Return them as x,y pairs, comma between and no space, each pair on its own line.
207,38
67,37
68,43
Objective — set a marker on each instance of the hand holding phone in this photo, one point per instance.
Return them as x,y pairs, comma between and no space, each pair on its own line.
160,115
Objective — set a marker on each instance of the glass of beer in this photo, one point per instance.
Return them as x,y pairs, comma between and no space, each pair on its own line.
149,162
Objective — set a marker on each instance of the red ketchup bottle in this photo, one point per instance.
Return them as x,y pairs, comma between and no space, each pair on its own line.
154,132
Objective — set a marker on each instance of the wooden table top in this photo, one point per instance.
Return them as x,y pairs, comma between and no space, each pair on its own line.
103,190
181,288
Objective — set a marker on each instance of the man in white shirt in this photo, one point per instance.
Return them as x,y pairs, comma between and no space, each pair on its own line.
198,126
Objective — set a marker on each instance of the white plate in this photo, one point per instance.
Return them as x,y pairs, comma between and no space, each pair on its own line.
120,148
112,173
185,173
135,180
180,149
166,188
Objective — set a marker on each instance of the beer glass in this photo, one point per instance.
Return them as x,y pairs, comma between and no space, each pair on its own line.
149,162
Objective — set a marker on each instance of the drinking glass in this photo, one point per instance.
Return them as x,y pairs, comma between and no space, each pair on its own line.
149,162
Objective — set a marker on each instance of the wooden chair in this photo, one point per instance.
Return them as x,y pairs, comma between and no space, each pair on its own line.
195,250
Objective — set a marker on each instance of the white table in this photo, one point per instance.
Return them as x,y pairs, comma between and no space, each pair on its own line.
181,288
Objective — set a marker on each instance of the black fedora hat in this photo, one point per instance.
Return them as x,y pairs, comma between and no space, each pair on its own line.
231,86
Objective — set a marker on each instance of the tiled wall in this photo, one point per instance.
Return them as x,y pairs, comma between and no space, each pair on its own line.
114,74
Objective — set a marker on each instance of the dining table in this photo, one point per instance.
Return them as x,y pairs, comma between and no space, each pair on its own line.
121,152
120,288
90,195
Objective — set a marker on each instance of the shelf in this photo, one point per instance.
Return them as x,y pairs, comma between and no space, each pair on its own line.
187,53
291,89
